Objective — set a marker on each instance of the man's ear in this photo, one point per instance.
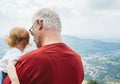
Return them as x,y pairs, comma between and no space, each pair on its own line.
40,23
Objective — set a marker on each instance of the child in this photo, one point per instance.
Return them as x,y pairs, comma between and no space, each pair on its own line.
17,40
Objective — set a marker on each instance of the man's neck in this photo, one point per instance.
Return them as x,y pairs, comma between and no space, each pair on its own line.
51,37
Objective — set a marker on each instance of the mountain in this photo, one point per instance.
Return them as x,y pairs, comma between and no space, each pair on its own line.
3,47
90,46
101,59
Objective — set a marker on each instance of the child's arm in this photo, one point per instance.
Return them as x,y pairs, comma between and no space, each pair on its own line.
11,71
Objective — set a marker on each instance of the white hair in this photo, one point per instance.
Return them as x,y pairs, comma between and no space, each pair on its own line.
50,18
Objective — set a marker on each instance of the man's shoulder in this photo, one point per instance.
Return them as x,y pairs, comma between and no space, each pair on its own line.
34,55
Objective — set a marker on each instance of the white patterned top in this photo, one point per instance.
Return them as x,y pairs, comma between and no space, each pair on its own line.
11,55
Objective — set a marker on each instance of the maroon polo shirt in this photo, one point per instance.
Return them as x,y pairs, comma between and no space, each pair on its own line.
50,64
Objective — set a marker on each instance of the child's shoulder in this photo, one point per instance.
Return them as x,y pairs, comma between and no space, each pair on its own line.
14,50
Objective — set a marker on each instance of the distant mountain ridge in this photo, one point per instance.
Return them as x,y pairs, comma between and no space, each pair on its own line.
3,47
90,46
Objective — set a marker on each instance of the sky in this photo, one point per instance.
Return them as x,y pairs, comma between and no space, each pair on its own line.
83,18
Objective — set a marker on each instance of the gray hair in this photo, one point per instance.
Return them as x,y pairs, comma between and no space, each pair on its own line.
50,18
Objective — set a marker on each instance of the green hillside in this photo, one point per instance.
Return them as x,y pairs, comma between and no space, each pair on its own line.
101,59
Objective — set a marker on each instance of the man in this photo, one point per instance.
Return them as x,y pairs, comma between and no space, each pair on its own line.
53,62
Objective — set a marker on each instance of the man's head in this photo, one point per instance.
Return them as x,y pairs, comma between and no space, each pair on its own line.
45,21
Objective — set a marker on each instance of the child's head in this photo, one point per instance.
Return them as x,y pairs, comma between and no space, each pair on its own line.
18,35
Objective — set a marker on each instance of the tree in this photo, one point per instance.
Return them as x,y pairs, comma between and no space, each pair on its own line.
92,82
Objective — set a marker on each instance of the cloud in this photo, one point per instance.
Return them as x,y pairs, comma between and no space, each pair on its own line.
88,18
104,4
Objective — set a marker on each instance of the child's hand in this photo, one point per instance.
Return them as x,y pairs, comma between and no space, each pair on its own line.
15,82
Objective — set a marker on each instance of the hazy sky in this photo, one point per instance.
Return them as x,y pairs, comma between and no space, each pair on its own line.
83,18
